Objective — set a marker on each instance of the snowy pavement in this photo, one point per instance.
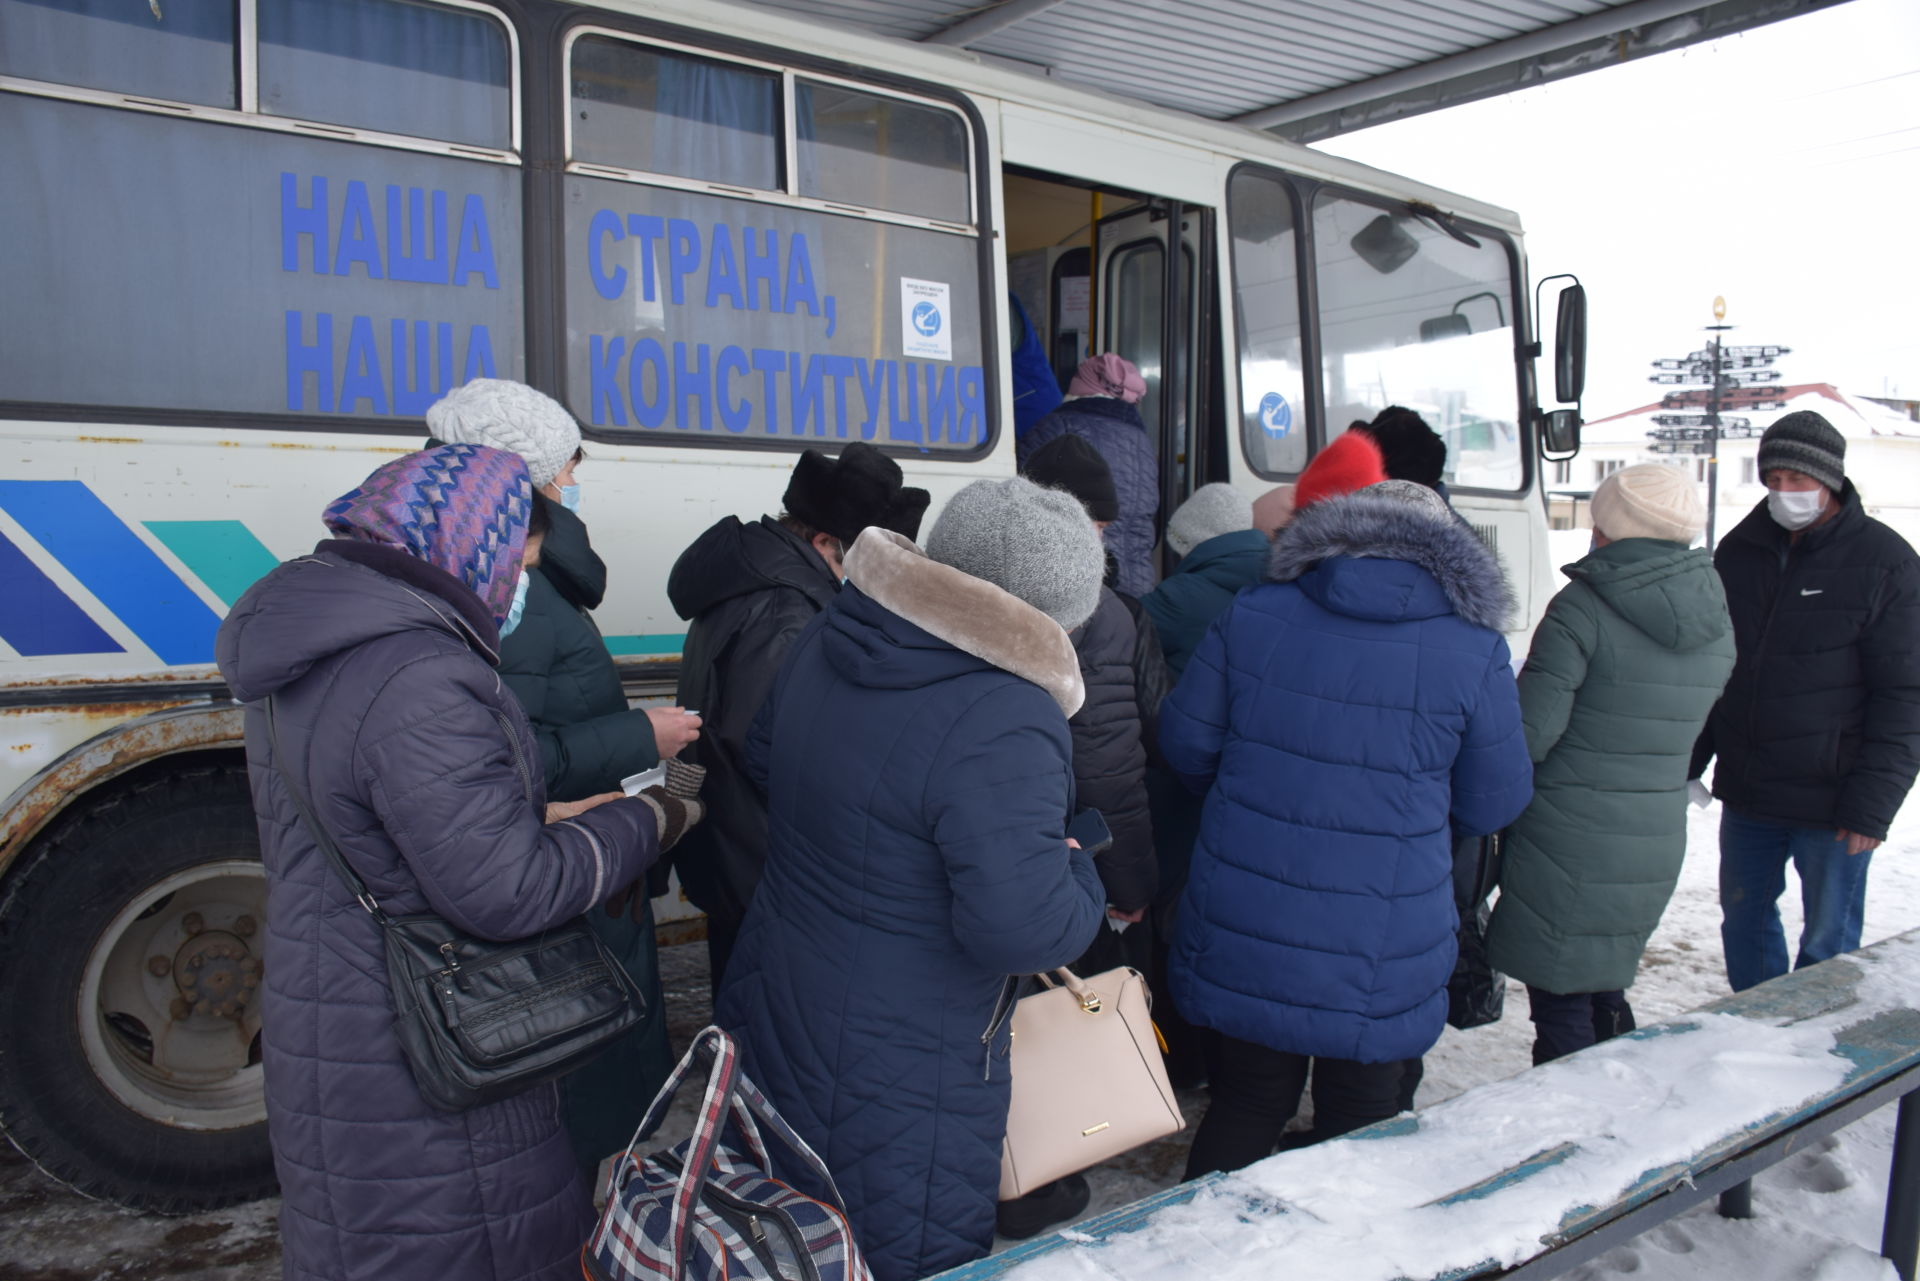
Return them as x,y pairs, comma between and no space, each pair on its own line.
1818,1214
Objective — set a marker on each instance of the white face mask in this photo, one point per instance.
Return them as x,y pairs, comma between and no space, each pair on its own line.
570,497
1795,508
519,605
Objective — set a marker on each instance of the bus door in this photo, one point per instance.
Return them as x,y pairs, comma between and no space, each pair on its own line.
1137,279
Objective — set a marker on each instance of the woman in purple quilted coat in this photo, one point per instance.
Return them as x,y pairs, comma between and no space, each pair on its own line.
1102,409
378,649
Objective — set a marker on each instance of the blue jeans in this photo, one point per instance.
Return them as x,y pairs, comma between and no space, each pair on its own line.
1753,874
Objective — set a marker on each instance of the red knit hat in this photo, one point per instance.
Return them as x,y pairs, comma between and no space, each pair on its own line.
1352,461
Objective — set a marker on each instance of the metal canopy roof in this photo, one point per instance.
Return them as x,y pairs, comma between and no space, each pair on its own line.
1306,69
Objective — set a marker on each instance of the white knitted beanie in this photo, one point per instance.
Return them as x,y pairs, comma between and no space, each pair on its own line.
1651,500
510,416
1213,510
1036,544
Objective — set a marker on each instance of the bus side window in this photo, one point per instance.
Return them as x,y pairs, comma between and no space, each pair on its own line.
881,153
686,117
385,65
187,55
736,276
1266,294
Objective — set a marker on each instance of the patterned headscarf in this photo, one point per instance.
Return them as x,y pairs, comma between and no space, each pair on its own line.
461,508
1108,375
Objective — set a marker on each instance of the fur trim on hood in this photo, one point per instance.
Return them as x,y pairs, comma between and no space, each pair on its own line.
1365,525
967,613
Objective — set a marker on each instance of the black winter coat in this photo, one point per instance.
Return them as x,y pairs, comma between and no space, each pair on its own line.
557,665
418,761
748,590
1820,724
1126,678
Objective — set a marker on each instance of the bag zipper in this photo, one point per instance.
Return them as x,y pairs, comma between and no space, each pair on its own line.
733,1209
1002,1011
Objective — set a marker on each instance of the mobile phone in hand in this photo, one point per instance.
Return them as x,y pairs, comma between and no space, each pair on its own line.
1091,831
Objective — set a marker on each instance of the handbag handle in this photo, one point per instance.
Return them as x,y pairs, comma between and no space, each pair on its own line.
316,829
728,1091
1089,999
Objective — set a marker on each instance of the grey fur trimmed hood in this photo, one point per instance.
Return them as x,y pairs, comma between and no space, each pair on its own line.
967,613
1364,526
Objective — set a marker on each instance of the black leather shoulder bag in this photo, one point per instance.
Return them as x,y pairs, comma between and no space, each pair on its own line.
479,1020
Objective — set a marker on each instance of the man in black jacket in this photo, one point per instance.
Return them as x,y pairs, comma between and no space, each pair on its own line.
1818,733
748,590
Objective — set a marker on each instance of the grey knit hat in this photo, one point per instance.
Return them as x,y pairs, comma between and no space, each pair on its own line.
1213,510
1807,443
1036,544
510,416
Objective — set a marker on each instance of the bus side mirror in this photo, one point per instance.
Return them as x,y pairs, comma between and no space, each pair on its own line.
1570,348
1560,433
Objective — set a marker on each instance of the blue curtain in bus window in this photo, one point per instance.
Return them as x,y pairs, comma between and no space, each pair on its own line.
383,64
716,123
634,108
180,50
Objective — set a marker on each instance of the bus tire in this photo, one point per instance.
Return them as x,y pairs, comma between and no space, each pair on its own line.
129,938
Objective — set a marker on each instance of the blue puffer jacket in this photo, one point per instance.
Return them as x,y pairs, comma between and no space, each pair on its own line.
1113,427
1200,589
1350,716
421,765
918,798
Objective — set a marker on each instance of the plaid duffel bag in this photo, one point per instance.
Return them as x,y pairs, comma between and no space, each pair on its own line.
702,1211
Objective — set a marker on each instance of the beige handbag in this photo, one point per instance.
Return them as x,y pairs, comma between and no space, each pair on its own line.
1088,1082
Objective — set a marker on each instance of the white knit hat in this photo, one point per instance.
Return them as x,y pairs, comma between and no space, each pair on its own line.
1651,500
1213,510
510,416
1036,544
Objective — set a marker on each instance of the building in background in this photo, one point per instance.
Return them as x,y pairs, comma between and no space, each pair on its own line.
1883,459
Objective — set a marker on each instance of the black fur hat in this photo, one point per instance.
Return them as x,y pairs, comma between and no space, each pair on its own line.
842,496
1409,448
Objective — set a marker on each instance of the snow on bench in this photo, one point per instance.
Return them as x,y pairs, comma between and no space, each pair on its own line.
1546,1169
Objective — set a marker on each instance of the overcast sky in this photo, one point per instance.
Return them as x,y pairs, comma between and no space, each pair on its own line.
1779,168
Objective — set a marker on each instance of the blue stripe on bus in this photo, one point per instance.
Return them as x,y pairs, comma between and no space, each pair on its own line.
96,547
39,618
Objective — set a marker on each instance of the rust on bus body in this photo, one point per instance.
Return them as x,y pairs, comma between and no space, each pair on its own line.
147,731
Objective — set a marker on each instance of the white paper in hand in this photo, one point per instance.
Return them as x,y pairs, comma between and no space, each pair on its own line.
1697,793
634,784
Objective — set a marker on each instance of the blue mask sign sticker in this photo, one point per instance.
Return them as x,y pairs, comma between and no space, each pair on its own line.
1276,415
924,308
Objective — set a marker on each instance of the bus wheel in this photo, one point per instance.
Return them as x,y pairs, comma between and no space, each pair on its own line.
131,940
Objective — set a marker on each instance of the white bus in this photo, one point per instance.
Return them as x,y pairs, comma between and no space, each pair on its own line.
245,243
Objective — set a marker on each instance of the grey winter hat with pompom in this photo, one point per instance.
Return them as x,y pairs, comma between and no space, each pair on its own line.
1033,543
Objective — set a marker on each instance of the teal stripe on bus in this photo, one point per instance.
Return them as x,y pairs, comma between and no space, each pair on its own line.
658,643
224,554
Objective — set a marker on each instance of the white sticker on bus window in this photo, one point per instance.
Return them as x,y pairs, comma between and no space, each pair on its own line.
926,319
1075,295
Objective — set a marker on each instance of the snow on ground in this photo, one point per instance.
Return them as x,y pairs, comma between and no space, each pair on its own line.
1818,1214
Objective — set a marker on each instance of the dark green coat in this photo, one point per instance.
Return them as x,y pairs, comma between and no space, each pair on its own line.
1625,666
557,665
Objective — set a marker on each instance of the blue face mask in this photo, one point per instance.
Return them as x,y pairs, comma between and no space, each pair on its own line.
570,497
518,607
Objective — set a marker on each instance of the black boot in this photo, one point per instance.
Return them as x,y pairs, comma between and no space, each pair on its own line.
1043,1207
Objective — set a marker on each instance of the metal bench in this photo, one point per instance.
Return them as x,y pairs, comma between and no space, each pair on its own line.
1522,1178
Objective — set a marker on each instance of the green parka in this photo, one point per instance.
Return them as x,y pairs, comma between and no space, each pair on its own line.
1625,666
